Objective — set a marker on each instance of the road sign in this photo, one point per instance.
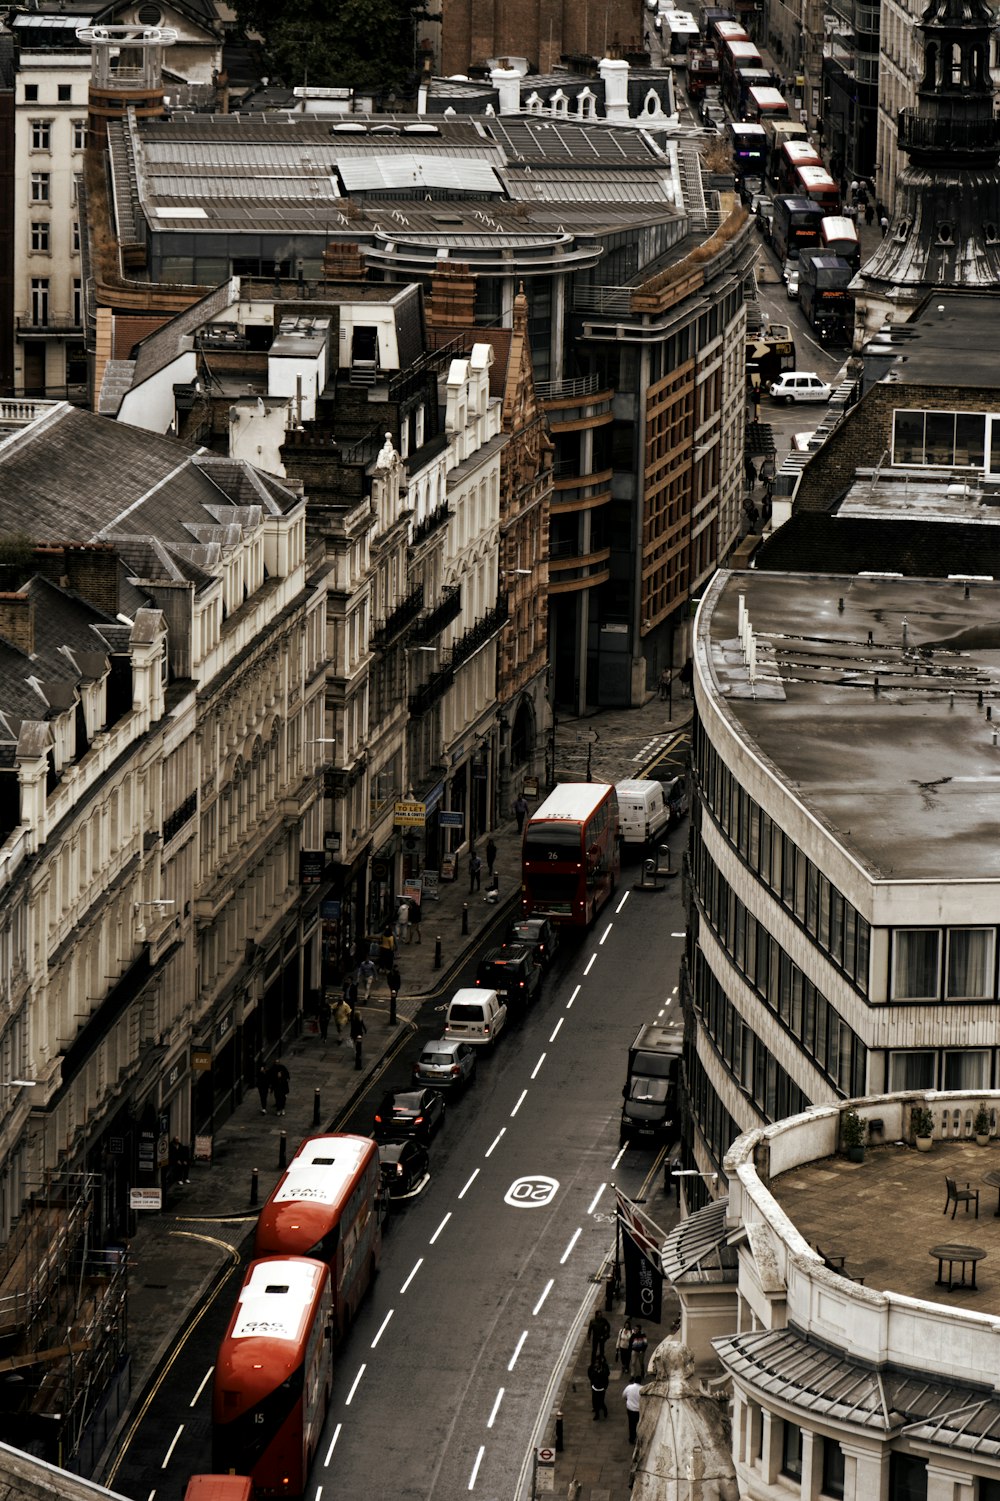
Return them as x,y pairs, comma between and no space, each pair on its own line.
451,818
545,1471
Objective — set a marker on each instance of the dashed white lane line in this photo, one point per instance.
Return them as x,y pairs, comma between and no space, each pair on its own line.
622,902
569,1249
545,1292
534,1071
496,1408
472,1180
173,1445
573,997
357,1380
555,1029
621,1154
203,1384
604,935
495,1142
523,1096
333,1445
596,1199
590,963
382,1327
440,1227
419,1264
678,935
475,1467
512,1362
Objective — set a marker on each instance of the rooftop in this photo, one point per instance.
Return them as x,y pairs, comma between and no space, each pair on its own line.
869,702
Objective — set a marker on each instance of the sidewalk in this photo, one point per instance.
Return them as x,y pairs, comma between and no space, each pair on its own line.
178,1256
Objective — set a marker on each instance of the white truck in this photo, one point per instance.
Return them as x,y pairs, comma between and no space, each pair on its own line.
643,812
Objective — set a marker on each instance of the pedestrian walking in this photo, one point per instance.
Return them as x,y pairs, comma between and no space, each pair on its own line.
475,871
638,1346
623,1344
491,855
386,949
358,1030
520,810
750,470
599,1376
884,225
352,994
403,921
869,213
631,1399
366,974
263,1086
415,916
280,1083
342,1018
324,1017
600,1332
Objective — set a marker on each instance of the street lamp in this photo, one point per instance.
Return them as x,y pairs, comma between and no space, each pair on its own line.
19,1083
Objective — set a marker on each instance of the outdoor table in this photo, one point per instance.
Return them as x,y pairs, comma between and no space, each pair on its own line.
992,1180
967,1255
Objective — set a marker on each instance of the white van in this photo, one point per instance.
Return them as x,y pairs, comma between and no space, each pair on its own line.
475,1016
642,811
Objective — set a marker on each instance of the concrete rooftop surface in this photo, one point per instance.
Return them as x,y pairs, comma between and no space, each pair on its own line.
885,1215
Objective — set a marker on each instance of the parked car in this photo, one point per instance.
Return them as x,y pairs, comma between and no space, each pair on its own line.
409,1112
792,285
446,1064
765,216
405,1168
513,973
539,934
475,1016
676,794
800,385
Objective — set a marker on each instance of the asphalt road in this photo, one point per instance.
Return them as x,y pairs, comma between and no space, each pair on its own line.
444,1383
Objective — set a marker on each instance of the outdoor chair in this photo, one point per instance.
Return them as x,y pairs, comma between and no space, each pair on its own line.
958,1196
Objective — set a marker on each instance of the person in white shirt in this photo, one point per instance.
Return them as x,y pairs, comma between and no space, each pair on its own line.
631,1396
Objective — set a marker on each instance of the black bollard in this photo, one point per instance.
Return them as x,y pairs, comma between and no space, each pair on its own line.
357,1053
253,1186
392,1008
559,1432
609,1294
437,952
315,1107
465,919
282,1151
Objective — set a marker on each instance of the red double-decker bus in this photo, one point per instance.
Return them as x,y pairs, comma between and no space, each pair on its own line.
328,1204
274,1375
571,856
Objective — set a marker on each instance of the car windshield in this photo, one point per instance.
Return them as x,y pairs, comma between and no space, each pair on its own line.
648,1090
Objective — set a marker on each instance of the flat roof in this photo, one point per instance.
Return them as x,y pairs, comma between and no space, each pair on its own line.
943,344
905,774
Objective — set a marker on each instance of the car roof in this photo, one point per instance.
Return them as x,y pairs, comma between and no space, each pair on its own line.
389,1150
442,1045
405,1096
511,952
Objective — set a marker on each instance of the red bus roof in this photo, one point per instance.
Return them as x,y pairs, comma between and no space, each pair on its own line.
815,177
766,98
311,1193
802,153
574,801
837,227
219,1488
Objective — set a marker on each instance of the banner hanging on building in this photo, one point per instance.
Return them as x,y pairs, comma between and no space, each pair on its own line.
643,1282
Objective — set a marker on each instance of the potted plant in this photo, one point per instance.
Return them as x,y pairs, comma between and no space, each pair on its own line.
922,1125
981,1124
852,1130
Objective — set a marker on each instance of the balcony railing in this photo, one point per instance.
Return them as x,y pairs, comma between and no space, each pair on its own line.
477,635
443,613
555,390
428,694
430,524
963,137
395,624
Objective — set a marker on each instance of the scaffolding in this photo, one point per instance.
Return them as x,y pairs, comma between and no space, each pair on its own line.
63,1319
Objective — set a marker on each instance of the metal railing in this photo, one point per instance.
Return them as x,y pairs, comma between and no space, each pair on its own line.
555,390
433,623
478,634
395,623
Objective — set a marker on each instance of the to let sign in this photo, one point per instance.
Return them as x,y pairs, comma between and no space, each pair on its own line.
409,815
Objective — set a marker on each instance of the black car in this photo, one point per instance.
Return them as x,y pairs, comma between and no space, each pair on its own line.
404,1166
513,973
538,934
409,1112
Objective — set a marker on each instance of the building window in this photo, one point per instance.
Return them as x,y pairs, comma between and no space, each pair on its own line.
907,1477
791,1450
966,1070
912,1070
970,964
76,236
31,93
39,300
39,187
39,235
77,301
916,964
833,1469
65,93
946,440
79,134
41,135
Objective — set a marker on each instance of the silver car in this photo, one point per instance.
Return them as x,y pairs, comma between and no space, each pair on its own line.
446,1064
